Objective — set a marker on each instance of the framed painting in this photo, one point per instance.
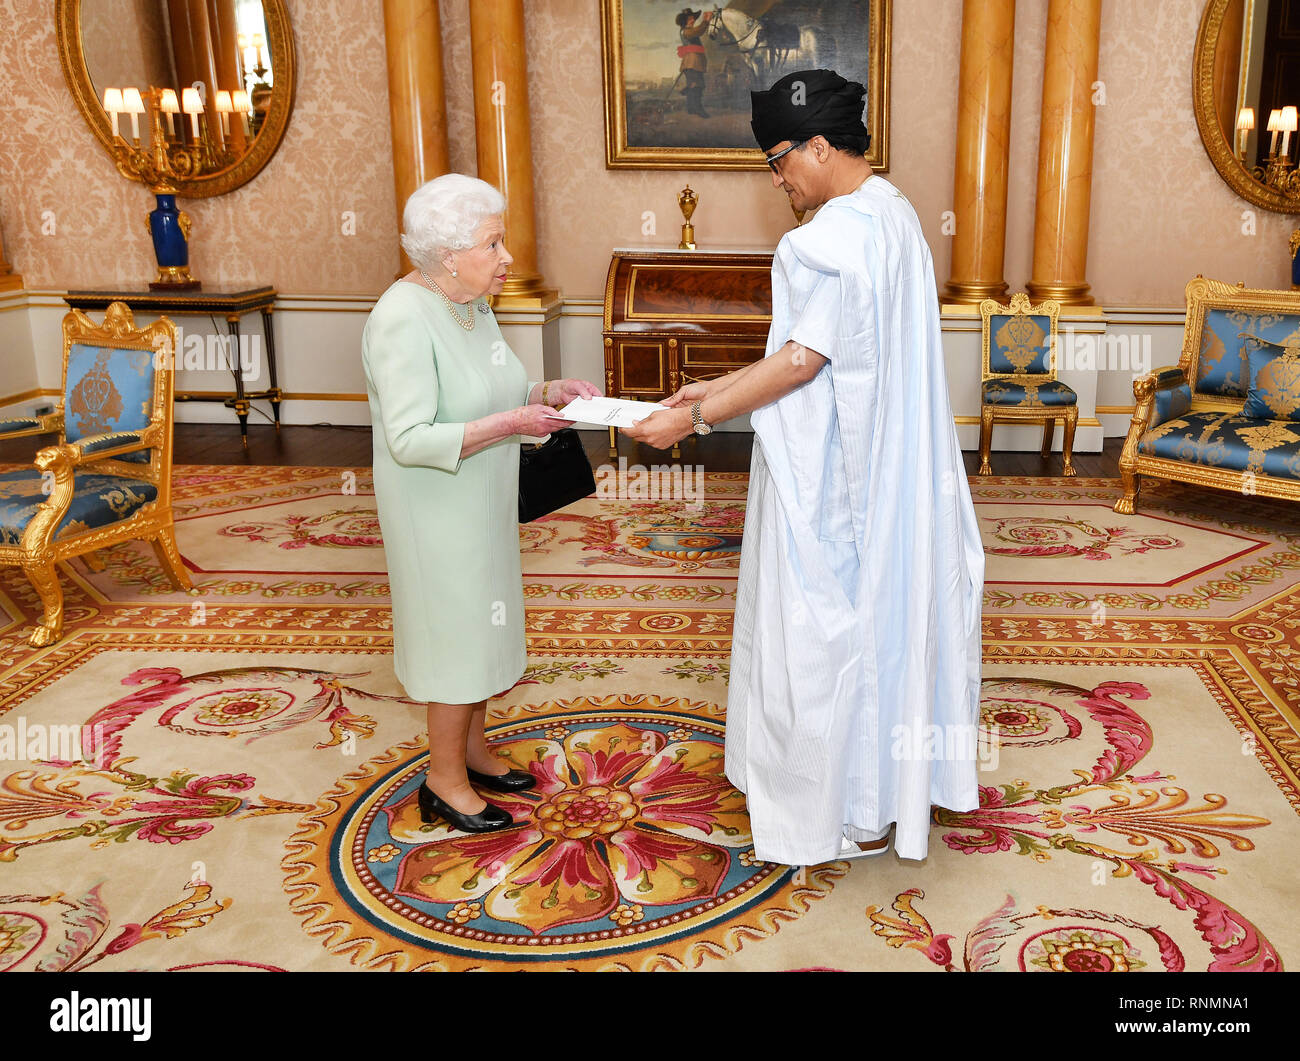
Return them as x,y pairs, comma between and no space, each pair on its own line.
677,79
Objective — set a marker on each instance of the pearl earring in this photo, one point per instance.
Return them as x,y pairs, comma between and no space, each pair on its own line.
454,273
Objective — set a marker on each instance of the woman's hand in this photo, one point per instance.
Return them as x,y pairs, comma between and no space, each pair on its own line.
662,429
537,420
692,392
559,392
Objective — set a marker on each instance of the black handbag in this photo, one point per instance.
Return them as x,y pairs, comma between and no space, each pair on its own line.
553,474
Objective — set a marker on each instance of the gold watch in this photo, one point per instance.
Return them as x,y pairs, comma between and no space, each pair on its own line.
697,421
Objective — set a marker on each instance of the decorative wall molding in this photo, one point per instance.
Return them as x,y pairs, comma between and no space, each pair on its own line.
318,348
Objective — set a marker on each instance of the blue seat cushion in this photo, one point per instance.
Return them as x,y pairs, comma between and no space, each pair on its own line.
25,423
1274,384
108,390
1229,443
97,501
1026,391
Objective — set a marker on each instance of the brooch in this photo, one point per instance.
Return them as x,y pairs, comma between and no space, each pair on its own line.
483,308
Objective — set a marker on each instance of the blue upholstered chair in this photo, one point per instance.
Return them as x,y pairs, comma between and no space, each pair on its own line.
1018,374
109,478
1228,414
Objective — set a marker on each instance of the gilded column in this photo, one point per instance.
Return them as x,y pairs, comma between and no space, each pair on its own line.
1065,153
417,104
1227,69
983,144
225,52
191,36
505,152
192,45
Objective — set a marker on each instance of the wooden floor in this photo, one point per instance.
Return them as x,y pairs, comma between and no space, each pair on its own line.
349,447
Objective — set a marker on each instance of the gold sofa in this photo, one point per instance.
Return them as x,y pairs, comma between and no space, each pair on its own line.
1228,415
108,479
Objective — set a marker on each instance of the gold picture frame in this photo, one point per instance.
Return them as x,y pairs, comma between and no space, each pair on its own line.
645,101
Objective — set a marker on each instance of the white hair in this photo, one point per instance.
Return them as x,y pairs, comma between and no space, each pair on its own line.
445,214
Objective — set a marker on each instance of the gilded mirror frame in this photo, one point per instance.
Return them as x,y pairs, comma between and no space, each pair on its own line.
1230,168
67,14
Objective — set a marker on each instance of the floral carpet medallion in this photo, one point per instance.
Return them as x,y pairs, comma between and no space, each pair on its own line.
1184,554
632,851
335,529
244,792
1121,821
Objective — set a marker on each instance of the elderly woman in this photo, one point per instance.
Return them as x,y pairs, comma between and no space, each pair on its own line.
448,401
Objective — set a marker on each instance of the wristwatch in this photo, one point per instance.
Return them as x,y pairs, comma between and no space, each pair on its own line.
697,421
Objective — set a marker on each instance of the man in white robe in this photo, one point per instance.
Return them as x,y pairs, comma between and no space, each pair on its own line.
854,691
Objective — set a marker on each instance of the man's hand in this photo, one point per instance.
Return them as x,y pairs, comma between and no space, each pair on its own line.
662,429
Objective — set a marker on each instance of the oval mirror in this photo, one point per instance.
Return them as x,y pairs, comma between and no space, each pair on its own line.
1245,92
193,95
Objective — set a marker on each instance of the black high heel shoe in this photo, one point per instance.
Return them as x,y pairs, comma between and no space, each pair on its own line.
485,821
510,781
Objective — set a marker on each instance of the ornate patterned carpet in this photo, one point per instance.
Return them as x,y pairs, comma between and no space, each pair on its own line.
246,799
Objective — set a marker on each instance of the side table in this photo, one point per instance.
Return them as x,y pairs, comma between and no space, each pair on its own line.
231,304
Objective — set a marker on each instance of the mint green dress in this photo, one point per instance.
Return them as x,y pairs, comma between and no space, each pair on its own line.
450,526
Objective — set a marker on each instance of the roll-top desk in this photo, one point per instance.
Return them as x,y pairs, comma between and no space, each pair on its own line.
674,317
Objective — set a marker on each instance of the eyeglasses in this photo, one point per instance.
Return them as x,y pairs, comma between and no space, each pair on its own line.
771,159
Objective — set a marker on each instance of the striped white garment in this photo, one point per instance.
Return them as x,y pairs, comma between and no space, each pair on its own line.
855,663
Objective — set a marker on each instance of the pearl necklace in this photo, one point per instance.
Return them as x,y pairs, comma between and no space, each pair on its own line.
468,325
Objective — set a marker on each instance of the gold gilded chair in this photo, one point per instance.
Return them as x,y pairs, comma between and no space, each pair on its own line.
1018,374
109,478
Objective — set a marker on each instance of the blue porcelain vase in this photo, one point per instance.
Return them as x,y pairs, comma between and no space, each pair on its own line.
170,246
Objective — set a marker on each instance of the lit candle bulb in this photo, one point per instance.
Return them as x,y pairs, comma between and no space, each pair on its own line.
259,42
1245,123
134,106
170,105
1288,126
223,108
192,104
1274,124
113,104
242,106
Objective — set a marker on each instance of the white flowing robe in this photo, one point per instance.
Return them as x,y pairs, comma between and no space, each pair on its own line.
854,691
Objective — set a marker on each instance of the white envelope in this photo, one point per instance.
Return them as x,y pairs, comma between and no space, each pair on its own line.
607,412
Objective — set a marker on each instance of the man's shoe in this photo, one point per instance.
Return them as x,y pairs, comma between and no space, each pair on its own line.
487,820
510,781
849,848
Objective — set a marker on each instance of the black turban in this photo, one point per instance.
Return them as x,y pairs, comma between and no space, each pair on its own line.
805,104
